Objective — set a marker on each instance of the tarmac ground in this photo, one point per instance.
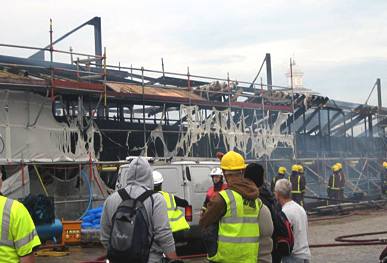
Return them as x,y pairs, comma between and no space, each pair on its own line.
321,231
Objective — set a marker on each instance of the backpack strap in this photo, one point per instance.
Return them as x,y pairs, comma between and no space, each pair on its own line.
123,194
144,196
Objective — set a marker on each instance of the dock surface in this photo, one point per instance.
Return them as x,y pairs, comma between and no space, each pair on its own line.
320,232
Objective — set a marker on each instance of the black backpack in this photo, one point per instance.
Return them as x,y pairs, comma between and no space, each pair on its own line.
129,237
283,238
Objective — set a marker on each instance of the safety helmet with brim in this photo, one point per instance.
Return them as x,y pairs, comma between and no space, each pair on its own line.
216,172
232,161
157,177
295,168
282,170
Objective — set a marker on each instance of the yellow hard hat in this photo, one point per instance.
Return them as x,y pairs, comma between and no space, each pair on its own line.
385,164
300,169
282,170
339,165
232,161
295,168
335,168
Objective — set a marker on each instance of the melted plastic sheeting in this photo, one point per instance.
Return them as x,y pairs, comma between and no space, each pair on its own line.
257,139
17,185
29,132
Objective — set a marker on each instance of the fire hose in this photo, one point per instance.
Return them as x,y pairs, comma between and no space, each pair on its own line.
347,237
346,241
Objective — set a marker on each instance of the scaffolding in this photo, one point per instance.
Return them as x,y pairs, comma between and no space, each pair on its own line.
164,114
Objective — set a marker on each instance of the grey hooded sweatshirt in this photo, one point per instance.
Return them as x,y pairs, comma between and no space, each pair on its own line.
139,175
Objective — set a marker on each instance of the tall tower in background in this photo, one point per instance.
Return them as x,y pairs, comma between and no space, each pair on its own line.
298,77
298,80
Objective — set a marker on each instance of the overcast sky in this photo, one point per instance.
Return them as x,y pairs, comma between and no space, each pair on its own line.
341,46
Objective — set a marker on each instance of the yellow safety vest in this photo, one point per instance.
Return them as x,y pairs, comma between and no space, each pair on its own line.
18,234
333,187
298,191
176,217
238,234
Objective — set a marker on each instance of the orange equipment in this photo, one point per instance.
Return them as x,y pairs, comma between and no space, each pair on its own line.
71,234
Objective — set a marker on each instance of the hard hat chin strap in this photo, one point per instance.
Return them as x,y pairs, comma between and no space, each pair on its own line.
157,187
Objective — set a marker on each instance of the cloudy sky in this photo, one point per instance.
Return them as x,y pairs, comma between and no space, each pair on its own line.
341,46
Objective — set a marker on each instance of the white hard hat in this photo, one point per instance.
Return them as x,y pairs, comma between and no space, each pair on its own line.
157,177
216,171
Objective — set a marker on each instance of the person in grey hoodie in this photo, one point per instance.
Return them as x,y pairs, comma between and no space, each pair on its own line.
138,177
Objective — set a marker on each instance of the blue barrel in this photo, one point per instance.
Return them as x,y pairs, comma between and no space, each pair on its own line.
50,232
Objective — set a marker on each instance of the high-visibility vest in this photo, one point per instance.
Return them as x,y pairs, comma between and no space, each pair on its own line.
18,234
238,234
176,217
334,184
298,191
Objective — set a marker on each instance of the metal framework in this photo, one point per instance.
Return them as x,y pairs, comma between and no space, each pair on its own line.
128,104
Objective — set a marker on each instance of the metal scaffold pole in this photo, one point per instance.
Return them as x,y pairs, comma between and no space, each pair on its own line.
51,62
293,117
190,153
162,67
143,112
263,102
104,76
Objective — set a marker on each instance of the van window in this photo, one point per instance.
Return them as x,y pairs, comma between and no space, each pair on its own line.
173,180
200,178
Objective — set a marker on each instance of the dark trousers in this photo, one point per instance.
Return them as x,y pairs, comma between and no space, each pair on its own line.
341,195
384,188
333,194
298,198
275,257
210,239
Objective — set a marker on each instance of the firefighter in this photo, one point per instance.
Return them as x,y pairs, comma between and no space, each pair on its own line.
383,177
341,183
298,184
280,175
333,189
216,175
301,171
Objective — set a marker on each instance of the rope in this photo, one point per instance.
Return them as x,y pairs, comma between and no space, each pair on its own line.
86,178
40,179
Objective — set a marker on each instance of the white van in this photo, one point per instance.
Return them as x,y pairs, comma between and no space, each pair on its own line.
189,180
